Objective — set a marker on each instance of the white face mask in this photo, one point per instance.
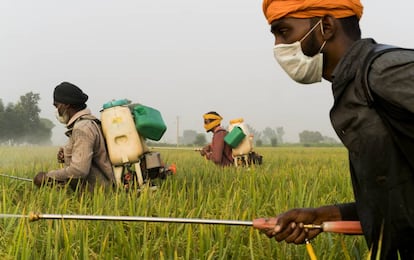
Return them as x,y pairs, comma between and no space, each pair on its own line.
297,65
64,119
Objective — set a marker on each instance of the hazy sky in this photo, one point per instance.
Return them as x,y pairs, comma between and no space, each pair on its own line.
182,57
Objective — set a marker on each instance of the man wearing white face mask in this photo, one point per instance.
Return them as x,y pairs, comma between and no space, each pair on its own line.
85,156
373,115
297,65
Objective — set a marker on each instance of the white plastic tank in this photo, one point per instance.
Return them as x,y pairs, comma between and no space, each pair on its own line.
246,145
123,141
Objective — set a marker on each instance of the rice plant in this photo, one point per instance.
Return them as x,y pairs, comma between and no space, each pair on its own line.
289,177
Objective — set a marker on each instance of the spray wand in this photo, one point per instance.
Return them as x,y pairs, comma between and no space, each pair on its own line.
17,178
348,227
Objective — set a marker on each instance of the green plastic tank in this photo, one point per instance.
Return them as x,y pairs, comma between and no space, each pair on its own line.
245,146
149,122
234,137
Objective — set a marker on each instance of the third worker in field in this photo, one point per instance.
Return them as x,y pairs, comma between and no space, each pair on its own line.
217,151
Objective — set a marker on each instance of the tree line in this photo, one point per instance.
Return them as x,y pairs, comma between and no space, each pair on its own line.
267,137
20,122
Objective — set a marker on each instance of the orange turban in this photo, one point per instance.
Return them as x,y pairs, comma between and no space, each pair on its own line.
276,9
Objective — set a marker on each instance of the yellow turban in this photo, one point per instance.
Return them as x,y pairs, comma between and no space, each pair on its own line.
216,121
276,9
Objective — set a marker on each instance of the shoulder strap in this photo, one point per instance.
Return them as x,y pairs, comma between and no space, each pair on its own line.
374,99
98,125
400,122
375,52
90,117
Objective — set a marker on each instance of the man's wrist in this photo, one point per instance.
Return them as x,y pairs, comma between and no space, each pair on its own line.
328,213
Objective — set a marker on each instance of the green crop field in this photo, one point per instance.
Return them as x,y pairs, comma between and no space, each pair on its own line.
289,178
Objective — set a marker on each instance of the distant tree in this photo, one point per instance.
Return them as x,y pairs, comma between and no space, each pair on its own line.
256,134
11,129
20,123
310,137
189,136
280,133
42,134
273,142
329,140
259,143
269,134
28,109
200,140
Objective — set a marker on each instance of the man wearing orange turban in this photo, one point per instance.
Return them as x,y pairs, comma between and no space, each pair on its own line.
317,39
276,9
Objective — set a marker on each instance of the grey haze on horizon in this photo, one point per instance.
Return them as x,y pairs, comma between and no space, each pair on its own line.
183,57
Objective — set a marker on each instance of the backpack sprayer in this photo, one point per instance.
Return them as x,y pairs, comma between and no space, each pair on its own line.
125,127
347,227
241,142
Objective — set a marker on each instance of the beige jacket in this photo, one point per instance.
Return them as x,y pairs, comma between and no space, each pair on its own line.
86,159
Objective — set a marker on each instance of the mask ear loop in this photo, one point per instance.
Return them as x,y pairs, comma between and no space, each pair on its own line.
311,30
323,44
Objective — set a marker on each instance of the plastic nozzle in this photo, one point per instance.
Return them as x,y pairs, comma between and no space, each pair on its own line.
173,168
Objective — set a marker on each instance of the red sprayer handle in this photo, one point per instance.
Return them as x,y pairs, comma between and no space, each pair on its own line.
264,223
345,227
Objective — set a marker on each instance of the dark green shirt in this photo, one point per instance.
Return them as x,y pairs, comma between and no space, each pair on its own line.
382,179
